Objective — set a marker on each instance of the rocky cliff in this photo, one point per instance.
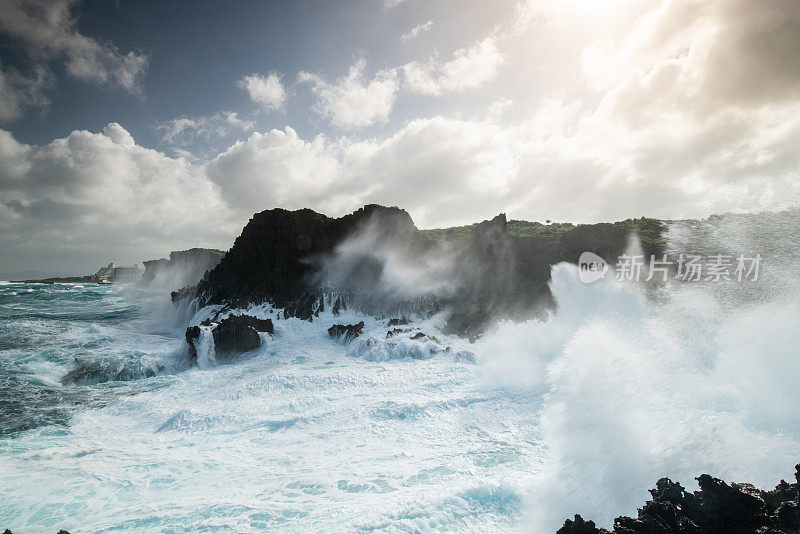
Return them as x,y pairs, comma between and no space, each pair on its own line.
184,267
376,259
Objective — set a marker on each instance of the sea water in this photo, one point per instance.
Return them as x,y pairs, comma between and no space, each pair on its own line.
536,421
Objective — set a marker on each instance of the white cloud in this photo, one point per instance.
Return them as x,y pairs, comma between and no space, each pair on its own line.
275,169
391,4
352,101
90,198
416,30
266,90
469,68
184,130
18,92
49,32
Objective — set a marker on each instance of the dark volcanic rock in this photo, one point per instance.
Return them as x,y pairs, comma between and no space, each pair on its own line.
346,331
239,333
394,331
579,526
398,321
717,508
232,335
279,251
192,334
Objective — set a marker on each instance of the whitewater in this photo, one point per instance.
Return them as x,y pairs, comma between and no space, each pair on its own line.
516,432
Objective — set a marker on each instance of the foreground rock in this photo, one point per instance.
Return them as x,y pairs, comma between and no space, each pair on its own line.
232,335
346,332
718,508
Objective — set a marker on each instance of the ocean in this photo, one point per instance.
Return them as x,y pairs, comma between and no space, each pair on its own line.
107,426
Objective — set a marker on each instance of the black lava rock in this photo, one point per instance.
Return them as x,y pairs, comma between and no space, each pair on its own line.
347,332
717,508
232,335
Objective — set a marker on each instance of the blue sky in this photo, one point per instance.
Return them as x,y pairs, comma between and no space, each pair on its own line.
129,129
198,51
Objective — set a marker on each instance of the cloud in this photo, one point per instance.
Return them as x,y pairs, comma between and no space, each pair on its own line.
183,131
709,55
416,30
266,90
90,198
470,67
275,168
49,32
18,92
391,4
352,101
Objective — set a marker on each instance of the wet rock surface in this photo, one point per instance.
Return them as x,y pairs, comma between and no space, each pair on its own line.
346,332
717,508
232,335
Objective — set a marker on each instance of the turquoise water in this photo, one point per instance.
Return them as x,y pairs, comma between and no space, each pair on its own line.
46,331
106,426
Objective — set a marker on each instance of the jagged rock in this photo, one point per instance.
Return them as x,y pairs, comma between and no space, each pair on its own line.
348,332
394,331
717,508
579,526
192,334
239,333
398,321
423,335
232,335
183,293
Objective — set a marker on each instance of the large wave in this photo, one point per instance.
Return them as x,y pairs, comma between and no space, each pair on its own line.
637,384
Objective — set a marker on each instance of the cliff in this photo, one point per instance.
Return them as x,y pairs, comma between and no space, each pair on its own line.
184,267
377,260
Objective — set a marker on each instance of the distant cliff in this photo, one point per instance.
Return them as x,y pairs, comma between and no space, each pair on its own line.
377,260
183,268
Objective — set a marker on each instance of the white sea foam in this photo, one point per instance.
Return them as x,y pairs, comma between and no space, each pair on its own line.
204,345
632,391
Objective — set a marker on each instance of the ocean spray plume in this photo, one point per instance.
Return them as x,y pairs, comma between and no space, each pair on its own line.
204,347
387,267
634,388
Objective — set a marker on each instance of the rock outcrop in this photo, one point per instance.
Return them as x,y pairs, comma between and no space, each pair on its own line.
279,251
233,335
346,332
717,508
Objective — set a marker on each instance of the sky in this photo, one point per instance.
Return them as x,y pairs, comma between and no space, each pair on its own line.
129,129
